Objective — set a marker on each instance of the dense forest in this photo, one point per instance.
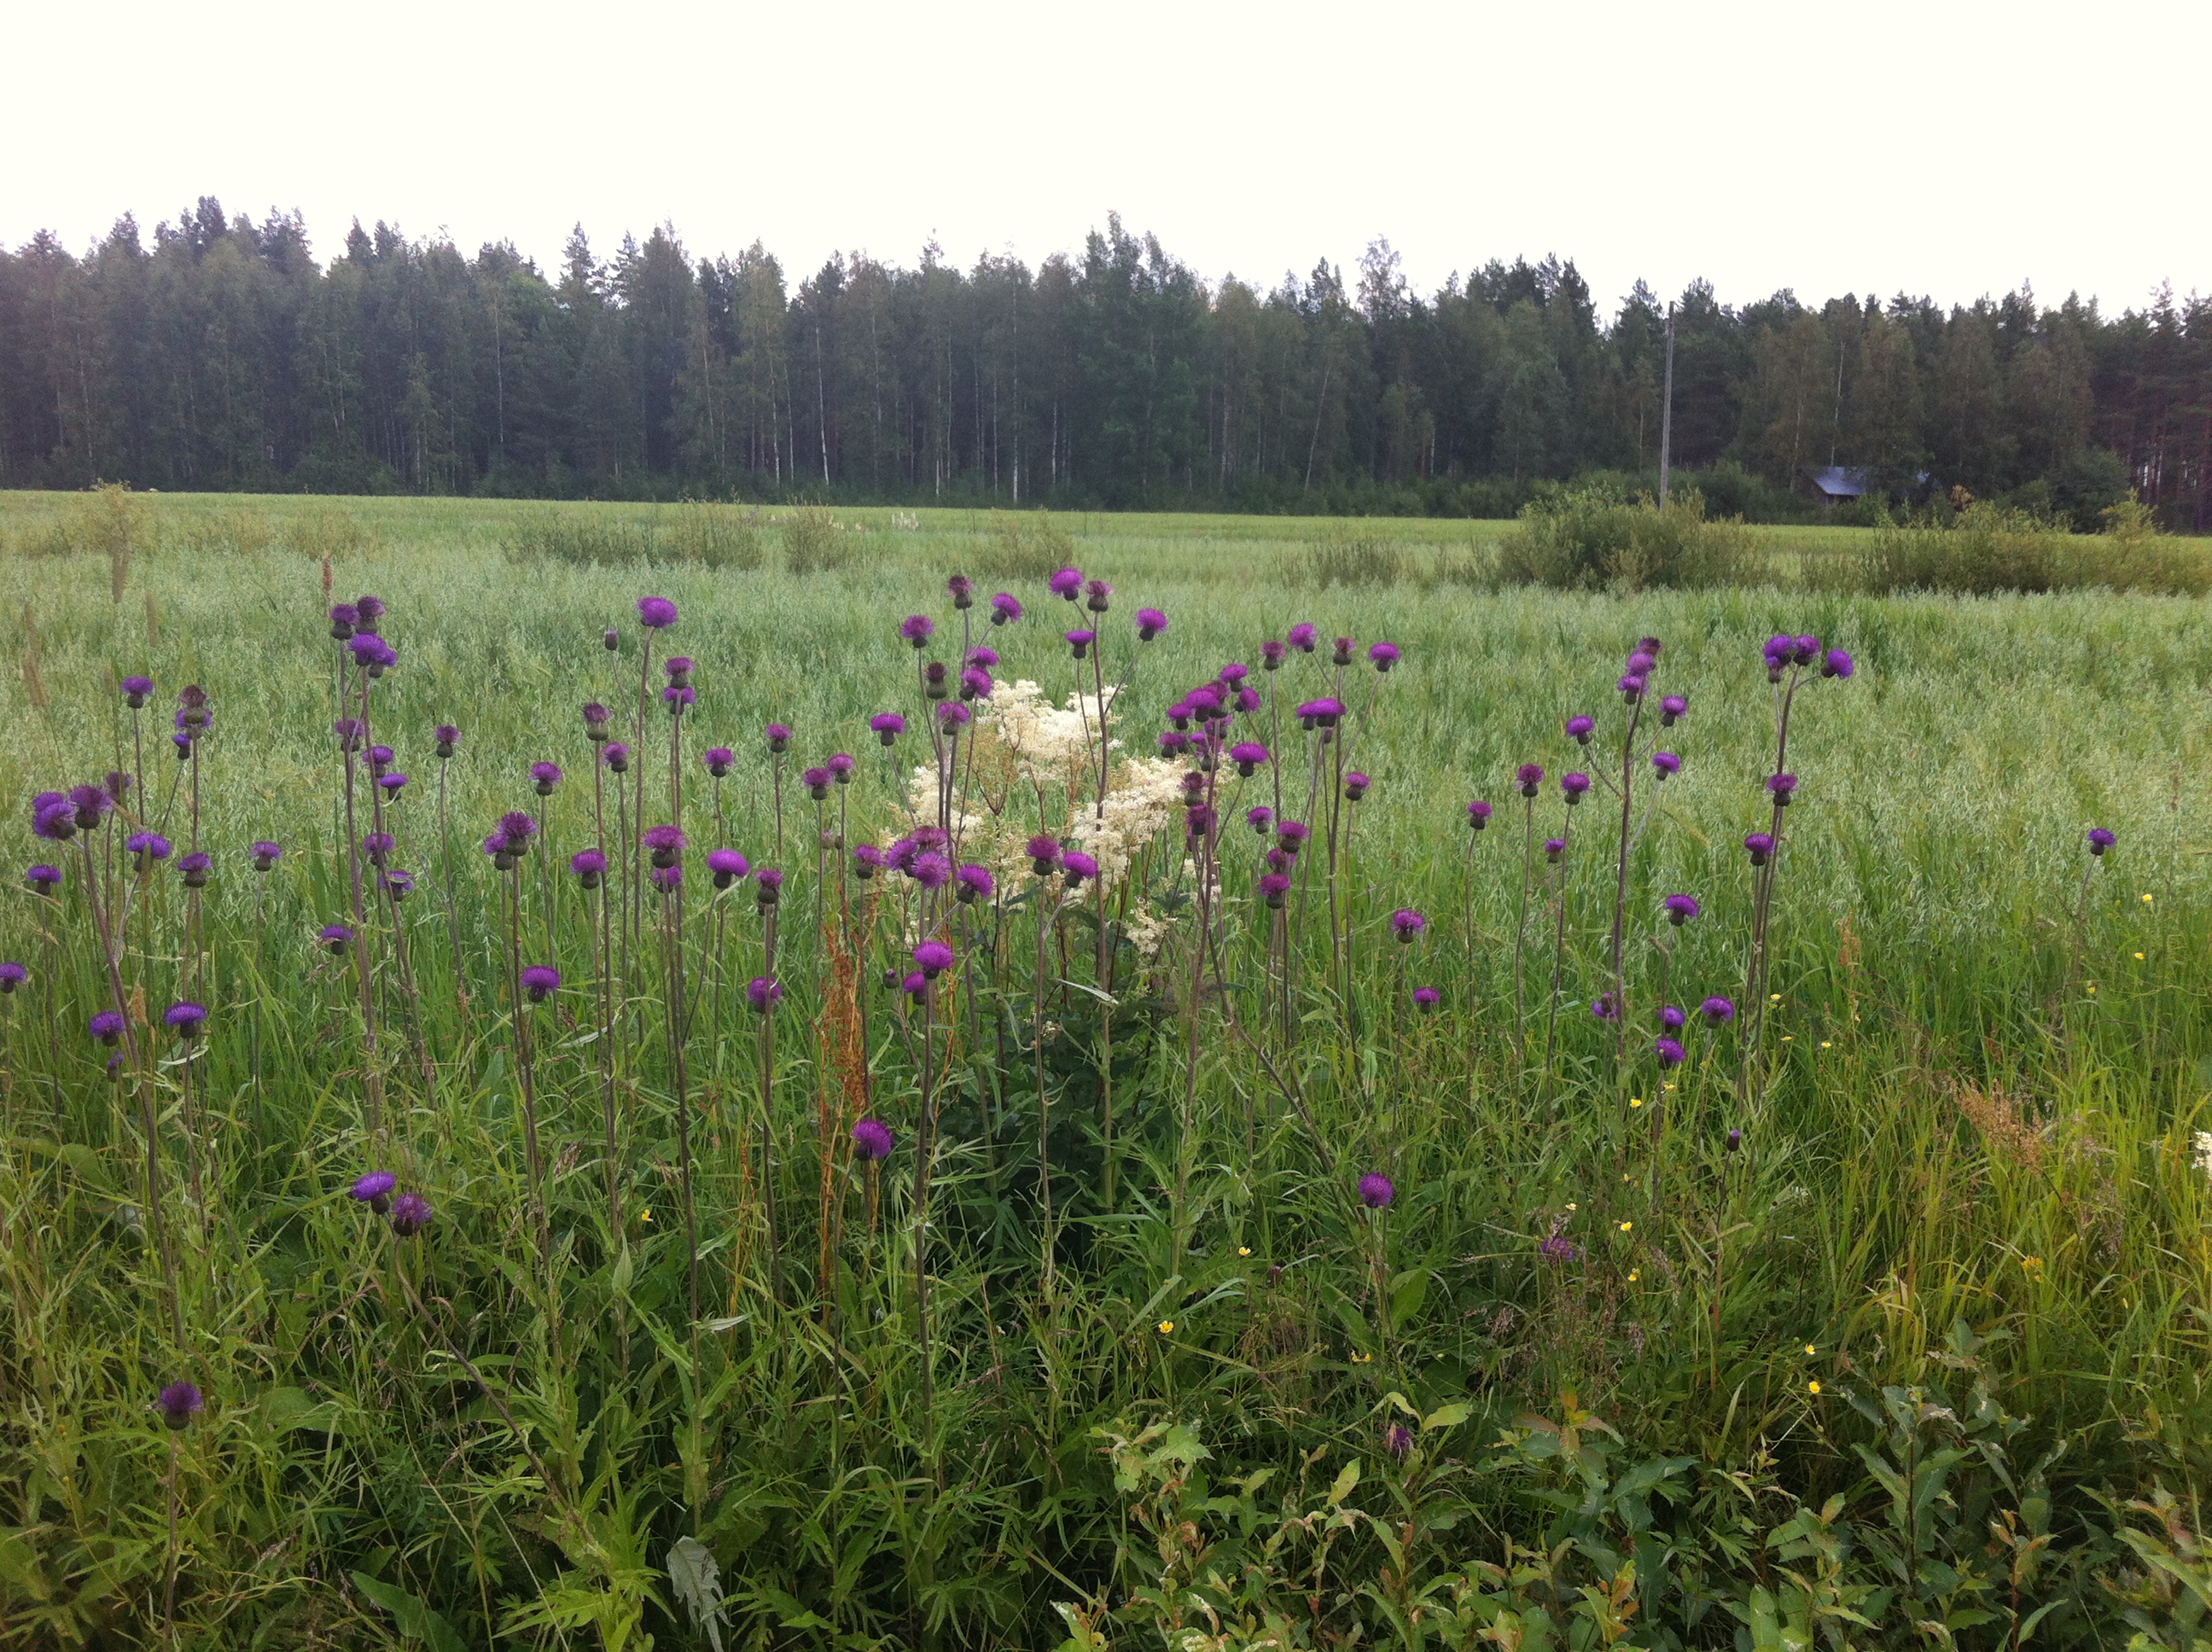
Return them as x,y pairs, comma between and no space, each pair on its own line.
225,355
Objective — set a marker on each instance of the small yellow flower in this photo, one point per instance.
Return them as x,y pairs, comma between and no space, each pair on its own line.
645,1216
1571,1207
2138,957
1634,1274
1167,1326
2146,900
1666,1086
1814,1386
1627,1176
1362,1359
1810,1349
1243,1250
1827,1043
1789,1038
1774,998
2032,1264
1626,1225
1635,1101
2093,989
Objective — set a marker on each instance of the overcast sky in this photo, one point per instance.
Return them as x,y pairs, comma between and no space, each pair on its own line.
1937,146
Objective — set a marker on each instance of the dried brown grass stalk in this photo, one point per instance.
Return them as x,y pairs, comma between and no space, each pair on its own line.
2007,1132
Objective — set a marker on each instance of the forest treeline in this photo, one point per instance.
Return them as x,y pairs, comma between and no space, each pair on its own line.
225,355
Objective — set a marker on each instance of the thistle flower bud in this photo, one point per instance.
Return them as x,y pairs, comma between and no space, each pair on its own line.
888,726
1345,647
1096,592
1005,610
136,690
1478,814
962,589
616,755
449,739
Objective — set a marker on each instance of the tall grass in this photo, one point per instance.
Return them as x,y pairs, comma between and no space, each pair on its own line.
1967,1169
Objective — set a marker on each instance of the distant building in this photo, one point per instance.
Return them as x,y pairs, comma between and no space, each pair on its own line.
1838,484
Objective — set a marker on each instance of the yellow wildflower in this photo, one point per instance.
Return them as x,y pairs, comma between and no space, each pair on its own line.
1166,1326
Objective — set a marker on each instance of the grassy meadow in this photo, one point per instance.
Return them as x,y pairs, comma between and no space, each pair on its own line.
1880,1320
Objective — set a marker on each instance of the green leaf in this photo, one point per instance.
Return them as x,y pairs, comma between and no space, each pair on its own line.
1450,1416
1406,1300
697,1581
414,1620
1346,1481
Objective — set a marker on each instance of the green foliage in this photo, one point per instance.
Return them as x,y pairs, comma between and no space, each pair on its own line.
1587,536
1346,556
1024,545
1988,548
814,543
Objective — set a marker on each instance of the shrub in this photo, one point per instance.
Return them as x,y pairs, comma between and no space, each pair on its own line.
715,536
1589,535
1989,547
811,542
1350,554
1025,546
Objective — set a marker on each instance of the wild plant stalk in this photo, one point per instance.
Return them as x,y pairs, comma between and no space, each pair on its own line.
1558,945
446,869
351,741
765,1056
1763,878
1620,883
1043,897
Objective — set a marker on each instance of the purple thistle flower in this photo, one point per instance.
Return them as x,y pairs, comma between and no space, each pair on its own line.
1199,821
982,656
667,879
1248,755
590,865
448,739
778,737
1383,655
12,976
1572,786
952,717
613,639
1406,923
1760,846
392,785
615,754
676,698
1559,1250
1260,817
2100,840
1271,655
1735,1140
872,1140
975,883
1005,610
1306,638
1672,710
1718,1011
1477,814
1681,909
1669,1052
867,860
841,765
185,1018
1067,584
1529,777
1344,645
55,822
1173,743
918,628
135,690
1807,650
44,879
1274,886
344,617
1641,662
541,982
1096,592
376,845
194,869
1606,1007
728,865
1554,847
1150,624
179,1403
1080,641
656,613
767,886
396,883
1672,1019
1375,1191
106,1027
719,760
763,992
92,805
1293,835
930,870
888,726
148,847
1356,785
372,608
265,855
1667,763
1076,866
1044,854
336,937
915,985
1426,999
934,957
1579,729
1837,662
678,669
374,1190
1631,688
1247,699
517,827
1781,787
1398,1441
410,1214
817,782
666,842
976,683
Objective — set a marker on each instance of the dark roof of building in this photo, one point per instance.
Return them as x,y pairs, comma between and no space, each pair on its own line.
1839,481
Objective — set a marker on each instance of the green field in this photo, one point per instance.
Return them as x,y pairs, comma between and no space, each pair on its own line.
1897,1370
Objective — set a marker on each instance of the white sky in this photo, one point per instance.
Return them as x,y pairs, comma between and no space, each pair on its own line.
1942,147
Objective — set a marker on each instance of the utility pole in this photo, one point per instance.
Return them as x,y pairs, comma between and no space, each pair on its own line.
1667,414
